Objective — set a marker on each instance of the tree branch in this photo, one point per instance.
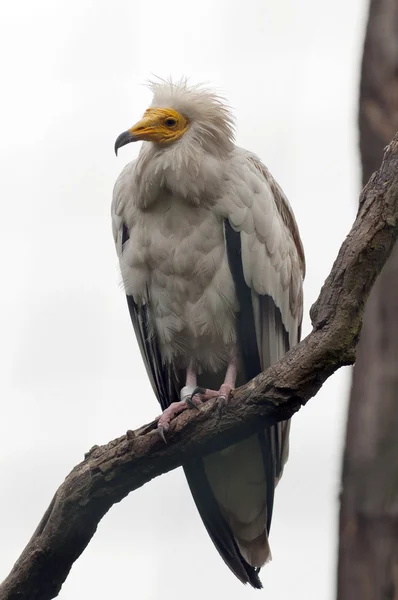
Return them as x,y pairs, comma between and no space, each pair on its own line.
110,472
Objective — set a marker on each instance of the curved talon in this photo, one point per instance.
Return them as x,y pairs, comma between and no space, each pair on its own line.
161,431
198,391
186,391
190,402
223,401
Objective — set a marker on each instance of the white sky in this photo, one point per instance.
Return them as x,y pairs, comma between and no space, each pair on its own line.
71,82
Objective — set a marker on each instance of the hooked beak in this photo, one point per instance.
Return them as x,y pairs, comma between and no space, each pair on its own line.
124,138
146,129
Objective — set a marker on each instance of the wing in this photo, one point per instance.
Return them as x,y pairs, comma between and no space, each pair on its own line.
272,257
234,489
267,262
164,380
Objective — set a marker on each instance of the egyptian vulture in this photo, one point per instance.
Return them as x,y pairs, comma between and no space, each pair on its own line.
212,265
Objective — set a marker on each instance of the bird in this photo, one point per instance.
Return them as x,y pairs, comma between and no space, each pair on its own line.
212,266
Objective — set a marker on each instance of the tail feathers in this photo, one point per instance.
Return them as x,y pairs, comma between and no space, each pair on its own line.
241,478
217,527
252,538
255,552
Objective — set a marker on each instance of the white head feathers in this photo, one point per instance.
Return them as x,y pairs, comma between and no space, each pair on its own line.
211,121
193,165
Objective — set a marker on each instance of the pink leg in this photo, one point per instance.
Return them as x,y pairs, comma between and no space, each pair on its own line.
192,395
228,385
177,407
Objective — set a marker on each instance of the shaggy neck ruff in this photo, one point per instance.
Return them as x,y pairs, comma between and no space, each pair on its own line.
193,166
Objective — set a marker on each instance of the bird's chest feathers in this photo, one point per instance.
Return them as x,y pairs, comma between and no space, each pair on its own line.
175,259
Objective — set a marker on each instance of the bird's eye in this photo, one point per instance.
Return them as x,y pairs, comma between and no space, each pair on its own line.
170,122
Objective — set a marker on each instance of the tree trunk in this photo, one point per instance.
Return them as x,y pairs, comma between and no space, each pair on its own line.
368,554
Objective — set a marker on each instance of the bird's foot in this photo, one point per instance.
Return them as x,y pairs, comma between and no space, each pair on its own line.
191,395
189,399
206,394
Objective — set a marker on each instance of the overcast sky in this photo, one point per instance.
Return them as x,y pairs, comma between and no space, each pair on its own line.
72,75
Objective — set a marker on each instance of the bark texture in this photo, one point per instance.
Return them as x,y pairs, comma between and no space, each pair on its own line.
110,472
368,556
378,102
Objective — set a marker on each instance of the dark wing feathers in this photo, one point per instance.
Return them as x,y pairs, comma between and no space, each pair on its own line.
245,319
216,525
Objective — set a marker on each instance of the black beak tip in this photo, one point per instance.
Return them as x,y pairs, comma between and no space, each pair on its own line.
124,138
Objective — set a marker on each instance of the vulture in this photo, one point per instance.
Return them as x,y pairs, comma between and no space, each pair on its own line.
212,266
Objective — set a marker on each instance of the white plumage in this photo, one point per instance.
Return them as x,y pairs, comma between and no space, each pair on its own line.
212,266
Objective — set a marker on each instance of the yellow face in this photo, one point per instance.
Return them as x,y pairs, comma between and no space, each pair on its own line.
160,125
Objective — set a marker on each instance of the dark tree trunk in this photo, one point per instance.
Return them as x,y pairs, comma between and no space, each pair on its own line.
378,103
368,554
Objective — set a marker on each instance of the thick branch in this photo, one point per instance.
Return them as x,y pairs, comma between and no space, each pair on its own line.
110,472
